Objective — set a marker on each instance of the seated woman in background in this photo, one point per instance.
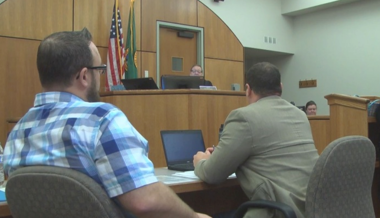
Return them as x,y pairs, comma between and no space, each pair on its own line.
311,108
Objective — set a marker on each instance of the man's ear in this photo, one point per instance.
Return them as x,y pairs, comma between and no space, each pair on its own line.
83,78
248,90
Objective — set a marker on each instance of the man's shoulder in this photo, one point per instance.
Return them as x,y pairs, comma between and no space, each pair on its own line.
102,105
96,108
261,107
239,112
248,108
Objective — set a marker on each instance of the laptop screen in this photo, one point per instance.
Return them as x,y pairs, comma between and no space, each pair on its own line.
139,83
181,145
181,82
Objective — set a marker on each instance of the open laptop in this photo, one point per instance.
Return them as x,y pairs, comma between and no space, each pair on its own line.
139,83
180,146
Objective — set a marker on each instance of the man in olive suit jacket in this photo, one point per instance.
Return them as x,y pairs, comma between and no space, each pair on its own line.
268,144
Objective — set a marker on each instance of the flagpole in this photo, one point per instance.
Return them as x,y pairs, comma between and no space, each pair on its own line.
131,24
118,37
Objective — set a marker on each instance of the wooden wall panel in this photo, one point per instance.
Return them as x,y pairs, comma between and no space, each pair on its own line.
172,115
138,26
35,19
207,112
222,73
220,41
20,77
96,16
175,11
148,62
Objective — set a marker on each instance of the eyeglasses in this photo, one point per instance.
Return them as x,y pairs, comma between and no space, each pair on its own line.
102,68
196,71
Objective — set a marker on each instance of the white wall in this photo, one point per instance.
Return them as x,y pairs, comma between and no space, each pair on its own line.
296,7
252,20
340,47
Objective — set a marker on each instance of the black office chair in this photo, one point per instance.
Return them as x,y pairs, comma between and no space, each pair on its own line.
339,185
44,191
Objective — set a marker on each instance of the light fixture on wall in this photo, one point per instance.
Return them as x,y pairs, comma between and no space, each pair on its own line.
185,34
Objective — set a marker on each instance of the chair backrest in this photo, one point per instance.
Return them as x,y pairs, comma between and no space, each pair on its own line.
341,181
46,191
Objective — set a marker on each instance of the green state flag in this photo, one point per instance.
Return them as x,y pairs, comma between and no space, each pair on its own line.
131,56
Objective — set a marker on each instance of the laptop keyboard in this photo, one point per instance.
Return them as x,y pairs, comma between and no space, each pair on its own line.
182,167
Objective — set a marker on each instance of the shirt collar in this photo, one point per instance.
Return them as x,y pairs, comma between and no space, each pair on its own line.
54,97
269,97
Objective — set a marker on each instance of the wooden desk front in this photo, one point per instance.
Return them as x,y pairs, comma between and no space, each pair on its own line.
205,198
151,111
320,128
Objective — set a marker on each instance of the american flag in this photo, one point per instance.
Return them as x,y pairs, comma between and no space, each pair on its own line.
115,55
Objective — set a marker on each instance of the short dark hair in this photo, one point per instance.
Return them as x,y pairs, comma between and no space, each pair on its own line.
309,103
85,34
62,55
264,79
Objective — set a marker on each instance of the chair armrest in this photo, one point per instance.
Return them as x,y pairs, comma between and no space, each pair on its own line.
285,209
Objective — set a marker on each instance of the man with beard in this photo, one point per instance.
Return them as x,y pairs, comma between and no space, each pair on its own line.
68,127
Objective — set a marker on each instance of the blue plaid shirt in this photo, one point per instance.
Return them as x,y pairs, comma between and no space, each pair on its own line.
94,138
